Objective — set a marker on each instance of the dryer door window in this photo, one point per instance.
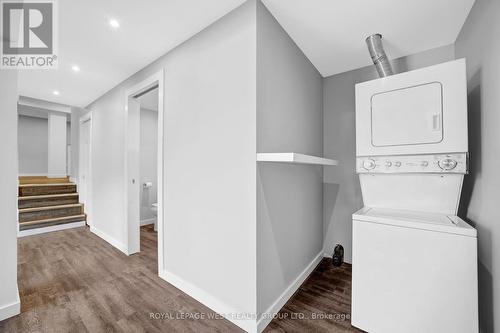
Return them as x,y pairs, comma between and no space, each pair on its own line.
408,116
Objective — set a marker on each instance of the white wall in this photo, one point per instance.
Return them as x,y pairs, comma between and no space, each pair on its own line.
341,189
57,144
209,154
479,43
289,197
148,163
33,145
9,297
107,161
75,141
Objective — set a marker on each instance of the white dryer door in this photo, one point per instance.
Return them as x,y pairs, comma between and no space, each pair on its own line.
418,112
408,116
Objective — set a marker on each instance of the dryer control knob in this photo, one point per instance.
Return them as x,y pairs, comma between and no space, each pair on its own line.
388,164
397,164
447,164
369,164
424,163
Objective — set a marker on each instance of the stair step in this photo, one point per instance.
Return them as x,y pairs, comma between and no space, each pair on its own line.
48,184
52,221
48,196
46,189
42,180
47,200
50,212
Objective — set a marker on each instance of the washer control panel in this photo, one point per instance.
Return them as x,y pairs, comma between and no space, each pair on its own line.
435,163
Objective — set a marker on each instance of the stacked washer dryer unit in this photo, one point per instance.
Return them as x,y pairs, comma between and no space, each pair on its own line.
414,261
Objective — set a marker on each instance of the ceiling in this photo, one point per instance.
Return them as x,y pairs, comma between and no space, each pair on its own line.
30,111
148,29
330,32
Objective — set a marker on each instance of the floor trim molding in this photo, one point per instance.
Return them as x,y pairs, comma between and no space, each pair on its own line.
210,301
148,221
11,310
57,175
101,234
37,231
288,293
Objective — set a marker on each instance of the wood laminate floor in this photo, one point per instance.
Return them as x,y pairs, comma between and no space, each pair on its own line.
72,281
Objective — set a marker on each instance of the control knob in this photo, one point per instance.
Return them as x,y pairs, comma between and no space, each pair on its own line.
369,164
447,164
424,163
388,164
397,164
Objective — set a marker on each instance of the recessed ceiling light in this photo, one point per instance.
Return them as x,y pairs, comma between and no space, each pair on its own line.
75,68
113,23
56,92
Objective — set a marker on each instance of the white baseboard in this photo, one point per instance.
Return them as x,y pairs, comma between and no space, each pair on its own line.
221,308
210,301
119,245
37,231
148,221
285,296
10,310
57,176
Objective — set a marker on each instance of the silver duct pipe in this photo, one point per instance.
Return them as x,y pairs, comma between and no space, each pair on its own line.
378,55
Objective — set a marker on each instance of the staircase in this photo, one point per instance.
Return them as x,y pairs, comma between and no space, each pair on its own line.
47,202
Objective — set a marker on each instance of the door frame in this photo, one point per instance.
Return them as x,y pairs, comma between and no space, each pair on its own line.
133,229
88,181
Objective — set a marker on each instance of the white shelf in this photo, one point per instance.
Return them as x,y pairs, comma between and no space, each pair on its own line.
294,158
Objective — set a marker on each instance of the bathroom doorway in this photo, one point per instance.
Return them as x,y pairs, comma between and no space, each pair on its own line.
144,166
148,160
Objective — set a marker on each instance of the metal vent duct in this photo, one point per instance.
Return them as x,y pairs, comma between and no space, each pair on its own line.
378,55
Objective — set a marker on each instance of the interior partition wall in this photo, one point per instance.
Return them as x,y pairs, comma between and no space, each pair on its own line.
241,228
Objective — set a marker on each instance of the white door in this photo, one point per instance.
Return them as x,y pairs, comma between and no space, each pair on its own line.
84,157
132,177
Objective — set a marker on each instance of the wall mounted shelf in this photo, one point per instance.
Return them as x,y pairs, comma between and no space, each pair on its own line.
294,158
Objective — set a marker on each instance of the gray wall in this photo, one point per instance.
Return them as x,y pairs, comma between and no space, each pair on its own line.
209,162
148,162
33,145
341,190
9,297
74,140
479,43
33,136
289,197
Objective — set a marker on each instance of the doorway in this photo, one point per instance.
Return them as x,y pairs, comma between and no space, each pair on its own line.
148,161
140,192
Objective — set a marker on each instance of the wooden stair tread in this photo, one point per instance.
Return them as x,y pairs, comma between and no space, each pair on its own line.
46,202
55,219
36,209
43,185
42,179
48,196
